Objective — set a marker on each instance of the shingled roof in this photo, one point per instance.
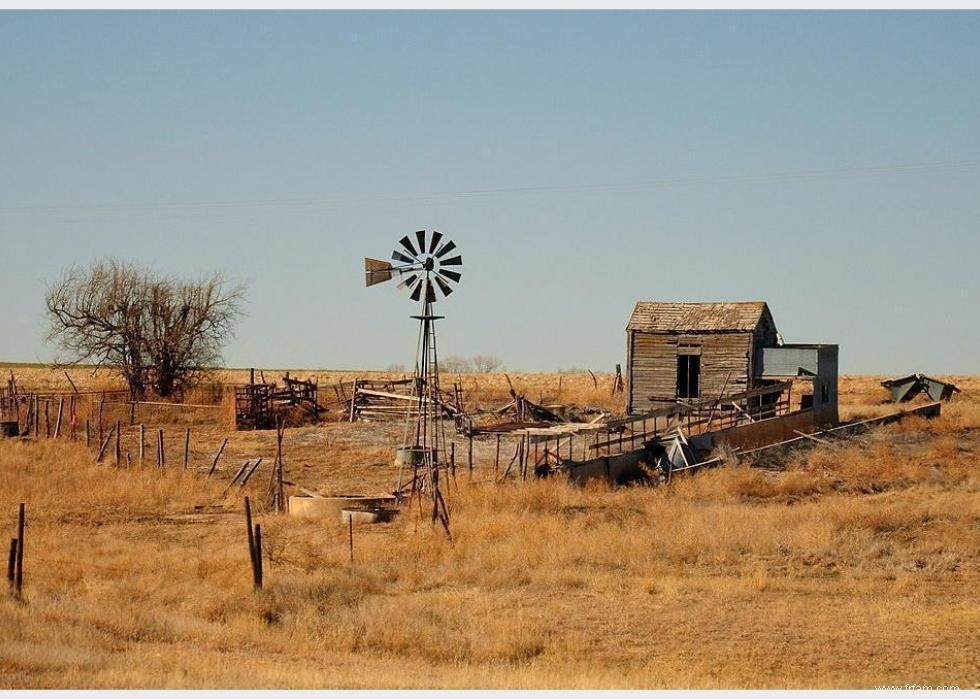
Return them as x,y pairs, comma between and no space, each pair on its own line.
668,316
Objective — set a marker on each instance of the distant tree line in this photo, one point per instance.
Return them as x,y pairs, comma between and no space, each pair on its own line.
477,364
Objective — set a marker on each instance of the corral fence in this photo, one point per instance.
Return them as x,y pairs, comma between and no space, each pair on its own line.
67,414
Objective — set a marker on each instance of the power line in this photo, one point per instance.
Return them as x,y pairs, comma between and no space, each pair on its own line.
300,202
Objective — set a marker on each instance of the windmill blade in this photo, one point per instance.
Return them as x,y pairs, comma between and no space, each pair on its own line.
436,237
430,292
420,236
446,248
395,255
417,291
376,271
446,289
407,244
455,261
408,282
449,274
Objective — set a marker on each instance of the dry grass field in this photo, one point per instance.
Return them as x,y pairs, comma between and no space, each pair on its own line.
855,566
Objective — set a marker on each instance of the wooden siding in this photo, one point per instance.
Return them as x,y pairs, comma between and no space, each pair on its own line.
652,365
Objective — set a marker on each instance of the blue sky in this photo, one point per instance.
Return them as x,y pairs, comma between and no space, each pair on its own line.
828,163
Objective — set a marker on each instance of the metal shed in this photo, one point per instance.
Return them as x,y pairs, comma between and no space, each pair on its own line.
815,362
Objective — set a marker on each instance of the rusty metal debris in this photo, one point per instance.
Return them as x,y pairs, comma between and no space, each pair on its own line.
908,387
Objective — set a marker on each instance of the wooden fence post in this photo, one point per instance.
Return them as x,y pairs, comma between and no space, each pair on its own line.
29,417
187,445
105,444
350,534
276,484
214,464
142,442
57,424
12,563
496,457
251,540
19,572
161,457
248,475
470,454
258,556
527,453
118,450
520,457
88,434
353,402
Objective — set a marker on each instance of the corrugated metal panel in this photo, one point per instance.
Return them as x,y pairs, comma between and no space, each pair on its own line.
664,316
787,361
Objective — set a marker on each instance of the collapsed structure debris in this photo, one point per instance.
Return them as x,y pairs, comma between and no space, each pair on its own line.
521,413
906,388
659,458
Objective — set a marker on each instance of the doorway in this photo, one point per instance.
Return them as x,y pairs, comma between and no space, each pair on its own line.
688,376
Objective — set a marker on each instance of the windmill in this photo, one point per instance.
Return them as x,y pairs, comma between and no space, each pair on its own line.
428,271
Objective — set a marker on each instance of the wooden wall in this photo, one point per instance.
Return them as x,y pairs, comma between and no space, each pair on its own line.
652,365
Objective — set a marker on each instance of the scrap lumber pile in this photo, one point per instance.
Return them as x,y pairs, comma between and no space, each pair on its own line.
387,399
519,414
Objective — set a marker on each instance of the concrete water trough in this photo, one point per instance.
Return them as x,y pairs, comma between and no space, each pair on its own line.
333,505
367,515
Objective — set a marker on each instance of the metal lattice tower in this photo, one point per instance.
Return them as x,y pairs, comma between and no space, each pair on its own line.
428,271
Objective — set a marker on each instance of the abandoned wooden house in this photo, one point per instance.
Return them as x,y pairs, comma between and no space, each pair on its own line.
688,352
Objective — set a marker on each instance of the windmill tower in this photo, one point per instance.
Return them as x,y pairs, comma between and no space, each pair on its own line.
428,271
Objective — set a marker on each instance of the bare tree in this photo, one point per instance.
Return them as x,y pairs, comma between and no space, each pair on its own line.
159,332
487,363
456,365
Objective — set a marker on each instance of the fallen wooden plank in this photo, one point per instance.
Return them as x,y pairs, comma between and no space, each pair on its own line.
810,436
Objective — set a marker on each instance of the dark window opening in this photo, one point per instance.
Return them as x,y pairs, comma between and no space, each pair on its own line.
688,376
